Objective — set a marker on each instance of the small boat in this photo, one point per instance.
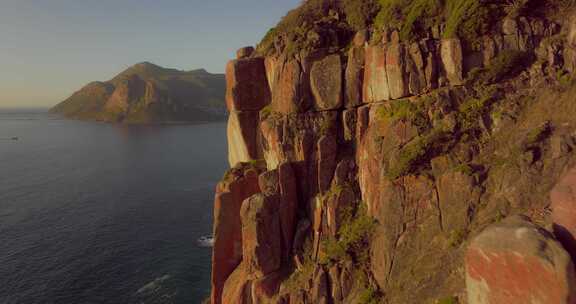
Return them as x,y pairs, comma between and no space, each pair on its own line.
206,241
14,138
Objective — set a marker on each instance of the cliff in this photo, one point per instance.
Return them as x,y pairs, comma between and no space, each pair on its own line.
147,93
402,152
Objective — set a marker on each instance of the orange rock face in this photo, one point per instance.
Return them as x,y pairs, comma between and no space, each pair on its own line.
246,85
375,78
515,262
261,235
227,250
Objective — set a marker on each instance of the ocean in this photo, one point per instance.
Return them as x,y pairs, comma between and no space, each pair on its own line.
100,213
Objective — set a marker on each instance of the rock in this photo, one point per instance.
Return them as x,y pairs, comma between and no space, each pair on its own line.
336,205
261,235
349,124
290,93
244,52
345,172
246,85
563,204
509,26
227,249
327,153
354,77
375,78
458,196
415,67
326,83
452,58
320,286
289,205
238,288
395,69
243,137
360,38
515,262
126,91
346,279
431,71
299,236
264,289
335,287
268,182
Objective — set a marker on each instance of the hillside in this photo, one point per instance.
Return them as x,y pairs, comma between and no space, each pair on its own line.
402,152
147,93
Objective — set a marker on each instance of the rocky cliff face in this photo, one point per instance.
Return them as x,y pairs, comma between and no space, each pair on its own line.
385,170
146,93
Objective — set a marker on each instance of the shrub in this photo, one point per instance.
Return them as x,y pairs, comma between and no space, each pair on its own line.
448,300
354,232
467,19
359,13
369,296
412,153
507,64
405,110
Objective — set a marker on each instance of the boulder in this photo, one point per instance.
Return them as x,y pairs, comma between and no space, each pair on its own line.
261,235
246,85
516,262
563,203
452,58
244,52
396,71
354,77
375,78
326,83
227,249
243,137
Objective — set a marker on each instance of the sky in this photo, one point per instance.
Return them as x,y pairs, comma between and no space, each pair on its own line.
51,48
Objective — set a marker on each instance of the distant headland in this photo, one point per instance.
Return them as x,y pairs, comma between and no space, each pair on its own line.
147,93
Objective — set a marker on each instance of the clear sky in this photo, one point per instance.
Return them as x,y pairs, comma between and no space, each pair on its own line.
51,48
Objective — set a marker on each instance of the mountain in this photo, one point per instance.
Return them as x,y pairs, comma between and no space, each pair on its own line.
147,93
402,152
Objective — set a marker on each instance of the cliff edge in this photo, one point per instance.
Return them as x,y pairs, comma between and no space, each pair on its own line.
402,152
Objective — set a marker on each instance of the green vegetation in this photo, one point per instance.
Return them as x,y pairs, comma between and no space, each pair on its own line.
507,64
471,111
369,296
410,17
355,231
412,153
405,110
457,237
359,13
537,135
468,19
448,300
